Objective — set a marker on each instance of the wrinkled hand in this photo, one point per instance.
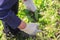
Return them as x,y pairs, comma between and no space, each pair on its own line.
31,29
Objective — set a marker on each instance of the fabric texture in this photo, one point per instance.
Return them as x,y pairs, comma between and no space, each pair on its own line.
5,6
12,20
7,13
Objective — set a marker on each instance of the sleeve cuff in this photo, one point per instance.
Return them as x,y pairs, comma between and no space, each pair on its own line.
12,20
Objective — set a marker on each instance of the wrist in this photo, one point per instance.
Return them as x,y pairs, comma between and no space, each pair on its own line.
22,25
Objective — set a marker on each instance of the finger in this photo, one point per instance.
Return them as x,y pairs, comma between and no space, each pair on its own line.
37,25
39,30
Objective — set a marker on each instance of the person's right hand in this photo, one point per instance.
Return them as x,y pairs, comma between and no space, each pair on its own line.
30,5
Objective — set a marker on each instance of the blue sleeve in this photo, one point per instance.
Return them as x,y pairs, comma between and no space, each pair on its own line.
5,6
7,15
12,20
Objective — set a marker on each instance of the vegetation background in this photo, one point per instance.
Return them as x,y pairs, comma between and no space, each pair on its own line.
48,14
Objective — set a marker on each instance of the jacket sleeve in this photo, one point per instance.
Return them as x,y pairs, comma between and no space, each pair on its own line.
5,6
12,20
7,15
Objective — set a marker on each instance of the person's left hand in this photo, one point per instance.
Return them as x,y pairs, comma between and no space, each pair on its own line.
31,29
